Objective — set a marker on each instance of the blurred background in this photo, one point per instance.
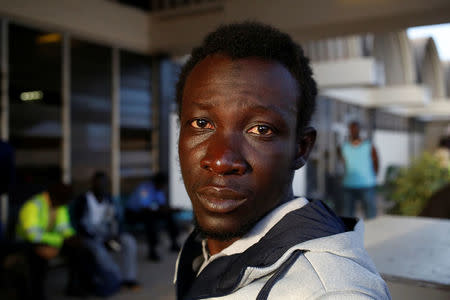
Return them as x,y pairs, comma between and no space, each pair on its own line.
89,85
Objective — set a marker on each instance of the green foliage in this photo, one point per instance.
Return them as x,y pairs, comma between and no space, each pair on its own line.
413,186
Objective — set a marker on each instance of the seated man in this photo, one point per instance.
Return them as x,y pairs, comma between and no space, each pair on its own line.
148,205
96,219
245,99
44,226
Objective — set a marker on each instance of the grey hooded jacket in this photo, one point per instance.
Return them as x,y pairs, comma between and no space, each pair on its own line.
301,250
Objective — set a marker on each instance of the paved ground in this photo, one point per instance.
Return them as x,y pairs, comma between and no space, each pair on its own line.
156,278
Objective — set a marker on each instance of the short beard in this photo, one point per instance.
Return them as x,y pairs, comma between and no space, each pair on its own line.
246,227
226,236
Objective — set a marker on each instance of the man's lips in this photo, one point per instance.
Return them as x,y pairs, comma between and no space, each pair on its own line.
220,199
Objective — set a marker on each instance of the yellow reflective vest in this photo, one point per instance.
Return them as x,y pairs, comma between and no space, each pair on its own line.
34,220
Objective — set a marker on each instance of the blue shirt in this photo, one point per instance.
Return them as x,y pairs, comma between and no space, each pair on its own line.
146,196
359,172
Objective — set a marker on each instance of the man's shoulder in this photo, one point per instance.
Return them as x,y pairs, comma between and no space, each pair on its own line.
63,210
29,204
318,274
35,200
32,206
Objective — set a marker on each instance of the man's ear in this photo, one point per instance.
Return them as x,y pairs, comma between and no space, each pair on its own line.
305,143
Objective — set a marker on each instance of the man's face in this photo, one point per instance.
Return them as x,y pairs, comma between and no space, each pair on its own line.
99,185
354,131
238,142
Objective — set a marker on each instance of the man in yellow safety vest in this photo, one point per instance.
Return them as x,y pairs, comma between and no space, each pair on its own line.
44,226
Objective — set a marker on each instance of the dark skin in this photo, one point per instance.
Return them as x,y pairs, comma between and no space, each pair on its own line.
239,144
99,187
355,140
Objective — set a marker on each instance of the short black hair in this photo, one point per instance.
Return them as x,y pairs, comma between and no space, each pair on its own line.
252,39
60,193
354,122
99,175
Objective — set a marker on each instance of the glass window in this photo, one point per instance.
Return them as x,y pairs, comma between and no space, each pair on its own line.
136,120
35,102
90,112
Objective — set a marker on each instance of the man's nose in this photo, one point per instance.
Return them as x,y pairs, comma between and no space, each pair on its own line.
224,156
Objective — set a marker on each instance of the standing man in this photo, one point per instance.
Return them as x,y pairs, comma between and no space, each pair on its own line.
361,166
245,97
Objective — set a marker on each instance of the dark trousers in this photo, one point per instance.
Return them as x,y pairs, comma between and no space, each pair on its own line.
38,273
152,221
14,271
366,195
80,263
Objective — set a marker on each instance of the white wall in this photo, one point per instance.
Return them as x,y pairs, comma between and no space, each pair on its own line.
395,148
358,71
299,182
177,193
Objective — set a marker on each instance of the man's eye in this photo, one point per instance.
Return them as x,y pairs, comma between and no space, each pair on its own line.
202,123
260,130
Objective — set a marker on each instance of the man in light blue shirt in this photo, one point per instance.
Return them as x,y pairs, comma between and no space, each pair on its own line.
148,205
361,166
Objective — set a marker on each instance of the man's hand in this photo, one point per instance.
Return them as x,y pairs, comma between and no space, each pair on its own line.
113,244
46,252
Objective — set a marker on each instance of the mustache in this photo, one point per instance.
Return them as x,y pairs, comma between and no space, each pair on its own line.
219,181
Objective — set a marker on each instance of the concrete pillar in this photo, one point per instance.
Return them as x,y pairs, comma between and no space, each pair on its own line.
65,112
115,123
4,110
4,104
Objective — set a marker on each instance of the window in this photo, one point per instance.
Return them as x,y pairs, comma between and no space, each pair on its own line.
137,152
35,102
90,112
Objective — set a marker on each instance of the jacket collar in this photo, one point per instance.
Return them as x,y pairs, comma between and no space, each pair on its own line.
258,231
224,274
